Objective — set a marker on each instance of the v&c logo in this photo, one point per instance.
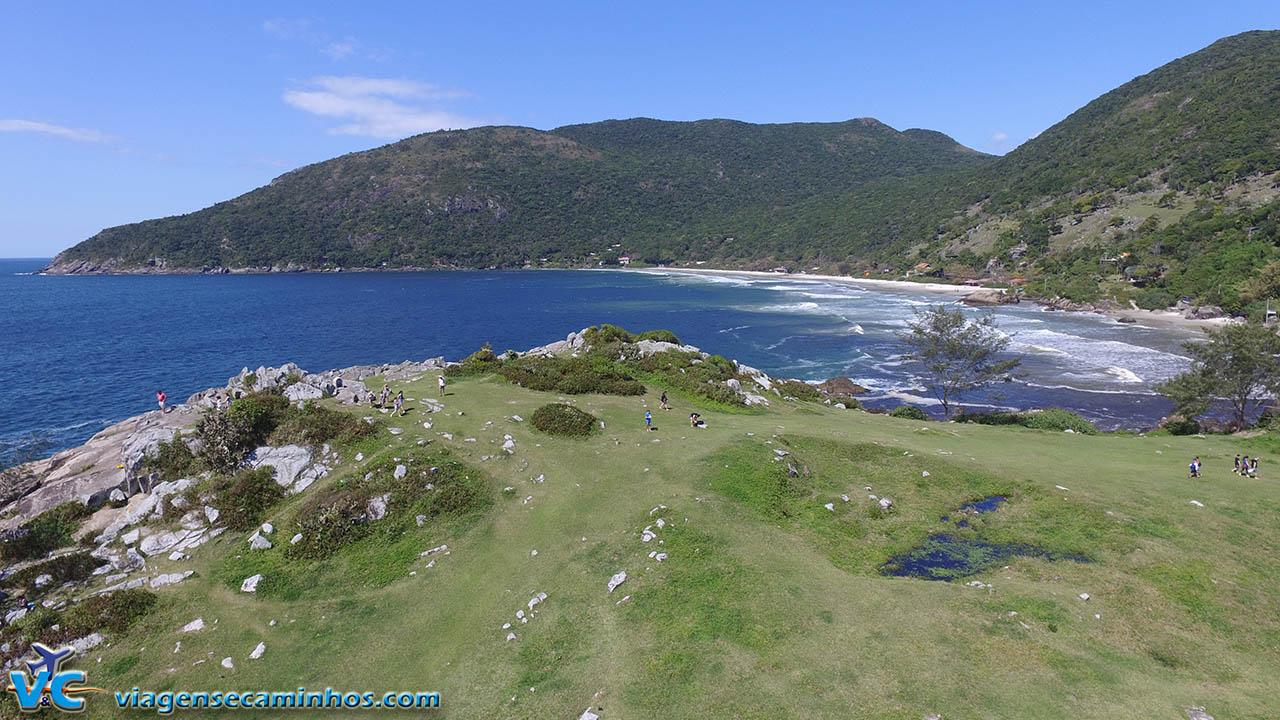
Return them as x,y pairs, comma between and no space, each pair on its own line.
47,683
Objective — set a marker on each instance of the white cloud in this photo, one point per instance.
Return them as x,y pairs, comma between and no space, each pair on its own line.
368,106
339,50
68,133
1000,136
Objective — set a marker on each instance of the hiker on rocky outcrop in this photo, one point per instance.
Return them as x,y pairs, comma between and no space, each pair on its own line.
664,400
160,398
373,399
440,383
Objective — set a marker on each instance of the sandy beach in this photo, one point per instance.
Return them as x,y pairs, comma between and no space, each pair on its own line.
869,283
1166,318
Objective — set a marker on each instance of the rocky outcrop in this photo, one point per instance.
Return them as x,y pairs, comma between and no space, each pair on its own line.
1203,312
841,386
988,297
89,473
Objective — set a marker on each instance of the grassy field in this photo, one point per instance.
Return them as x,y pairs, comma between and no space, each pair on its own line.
768,605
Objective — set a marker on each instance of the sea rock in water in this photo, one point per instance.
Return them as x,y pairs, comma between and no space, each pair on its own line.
989,297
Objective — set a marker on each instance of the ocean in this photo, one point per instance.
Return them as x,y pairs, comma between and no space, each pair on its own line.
79,353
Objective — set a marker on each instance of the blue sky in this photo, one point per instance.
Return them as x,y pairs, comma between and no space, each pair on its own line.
117,112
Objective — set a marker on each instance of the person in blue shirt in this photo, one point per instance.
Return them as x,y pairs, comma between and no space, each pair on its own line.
648,420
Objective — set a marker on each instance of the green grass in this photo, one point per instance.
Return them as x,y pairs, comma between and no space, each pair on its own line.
768,605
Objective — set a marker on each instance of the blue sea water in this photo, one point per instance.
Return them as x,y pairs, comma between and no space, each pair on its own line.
78,353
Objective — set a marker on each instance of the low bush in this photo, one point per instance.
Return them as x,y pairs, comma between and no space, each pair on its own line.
1182,427
173,460
1154,300
989,418
480,362
571,376
72,567
1059,420
315,424
244,499
331,519
610,334
909,412
798,390
113,611
47,531
563,420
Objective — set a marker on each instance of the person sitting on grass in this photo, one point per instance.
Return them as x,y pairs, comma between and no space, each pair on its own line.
695,420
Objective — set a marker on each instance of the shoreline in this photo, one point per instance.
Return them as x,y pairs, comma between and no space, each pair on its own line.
1165,318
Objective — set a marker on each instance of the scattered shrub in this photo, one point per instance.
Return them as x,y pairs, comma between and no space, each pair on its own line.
909,412
172,460
480,362
571,376
225,440
114,611
609,334
258,413
72,567
798,390
47,531
1051,419
244,499
1059,420
659,336
1154,300
563,420
990,418
331,519
315,424
1186,426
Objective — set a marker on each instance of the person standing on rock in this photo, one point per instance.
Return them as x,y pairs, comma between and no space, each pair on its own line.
160,398
440,384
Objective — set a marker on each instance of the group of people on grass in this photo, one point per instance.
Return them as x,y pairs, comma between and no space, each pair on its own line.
695,420
397,401
1245,466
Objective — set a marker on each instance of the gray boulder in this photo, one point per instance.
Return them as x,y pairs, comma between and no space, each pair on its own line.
287,461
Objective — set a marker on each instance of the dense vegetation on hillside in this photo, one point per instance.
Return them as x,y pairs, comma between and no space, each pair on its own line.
1166,167
506,196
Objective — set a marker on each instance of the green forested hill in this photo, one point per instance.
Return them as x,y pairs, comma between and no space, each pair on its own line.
506,196
1160,168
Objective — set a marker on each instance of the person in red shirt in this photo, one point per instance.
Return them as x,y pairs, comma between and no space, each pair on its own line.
160,398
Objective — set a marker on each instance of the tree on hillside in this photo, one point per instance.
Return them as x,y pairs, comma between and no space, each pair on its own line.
957,354
1238,363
